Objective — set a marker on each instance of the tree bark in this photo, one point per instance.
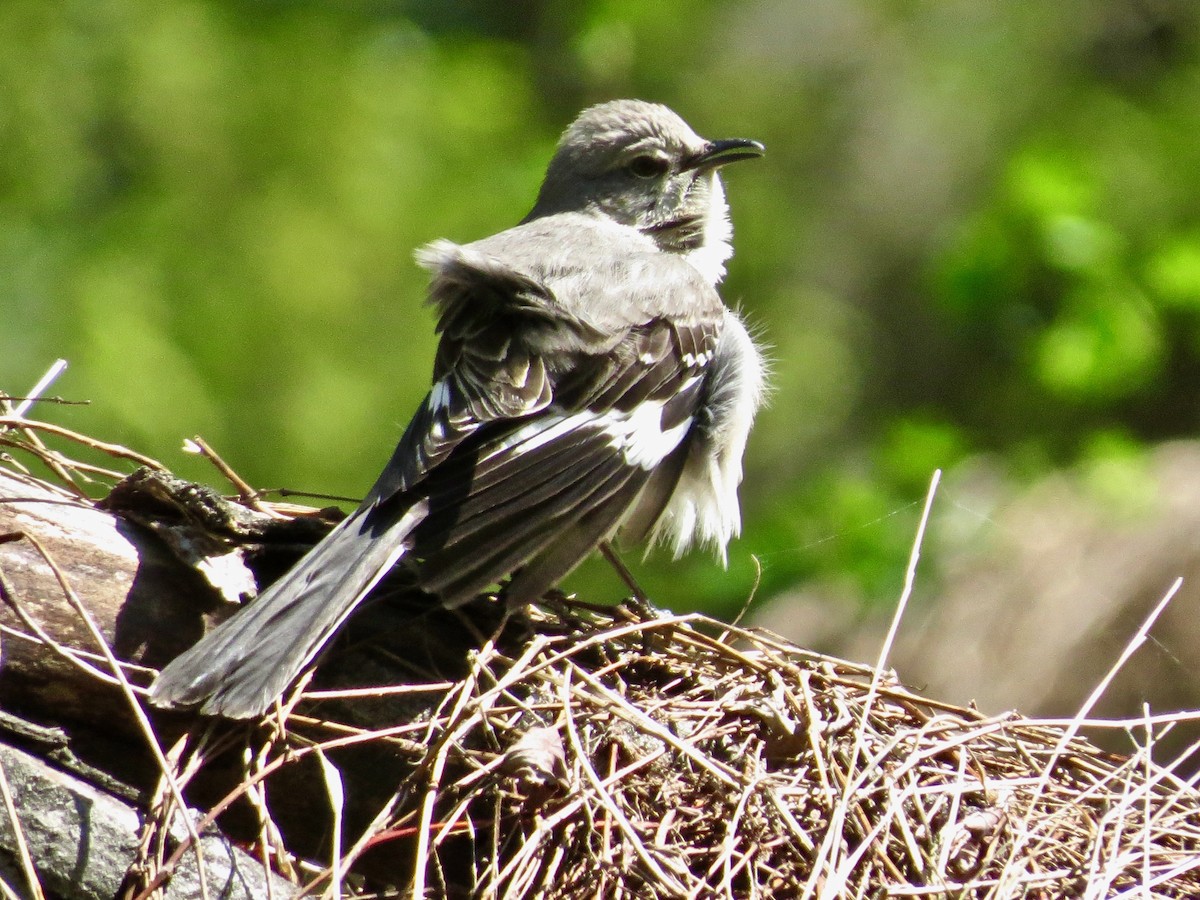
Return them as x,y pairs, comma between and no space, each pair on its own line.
120,573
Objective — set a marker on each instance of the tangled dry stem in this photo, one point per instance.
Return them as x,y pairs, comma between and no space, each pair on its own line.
681,757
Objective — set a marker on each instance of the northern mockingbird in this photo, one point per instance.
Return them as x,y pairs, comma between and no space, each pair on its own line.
588,379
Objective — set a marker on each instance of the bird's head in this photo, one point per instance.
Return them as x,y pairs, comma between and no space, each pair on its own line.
641,165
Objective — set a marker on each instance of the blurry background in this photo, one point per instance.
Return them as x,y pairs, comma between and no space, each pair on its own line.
974,244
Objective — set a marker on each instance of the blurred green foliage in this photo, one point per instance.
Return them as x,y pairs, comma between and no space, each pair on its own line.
976,230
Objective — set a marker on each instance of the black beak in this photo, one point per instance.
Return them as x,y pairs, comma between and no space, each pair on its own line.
718,153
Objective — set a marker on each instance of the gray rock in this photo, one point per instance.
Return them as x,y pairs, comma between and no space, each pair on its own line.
82,842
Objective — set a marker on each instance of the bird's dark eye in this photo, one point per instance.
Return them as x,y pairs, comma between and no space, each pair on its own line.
649,166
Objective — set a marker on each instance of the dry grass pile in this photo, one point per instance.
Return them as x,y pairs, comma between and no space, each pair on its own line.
680,758
676,756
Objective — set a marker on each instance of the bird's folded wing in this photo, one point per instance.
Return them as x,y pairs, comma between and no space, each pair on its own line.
566,474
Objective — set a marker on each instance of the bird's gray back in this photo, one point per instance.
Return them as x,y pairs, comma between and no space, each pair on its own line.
604,273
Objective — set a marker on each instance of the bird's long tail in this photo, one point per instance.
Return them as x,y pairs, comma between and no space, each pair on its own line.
242,665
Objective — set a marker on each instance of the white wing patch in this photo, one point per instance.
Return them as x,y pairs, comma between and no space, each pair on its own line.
439,396
639,434
549,426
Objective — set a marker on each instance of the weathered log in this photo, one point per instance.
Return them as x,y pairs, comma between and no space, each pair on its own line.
152,578
152,565
120,573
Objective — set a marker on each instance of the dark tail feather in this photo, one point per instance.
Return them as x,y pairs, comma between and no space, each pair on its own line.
241,666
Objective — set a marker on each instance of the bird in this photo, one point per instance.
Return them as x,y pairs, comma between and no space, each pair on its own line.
588,380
